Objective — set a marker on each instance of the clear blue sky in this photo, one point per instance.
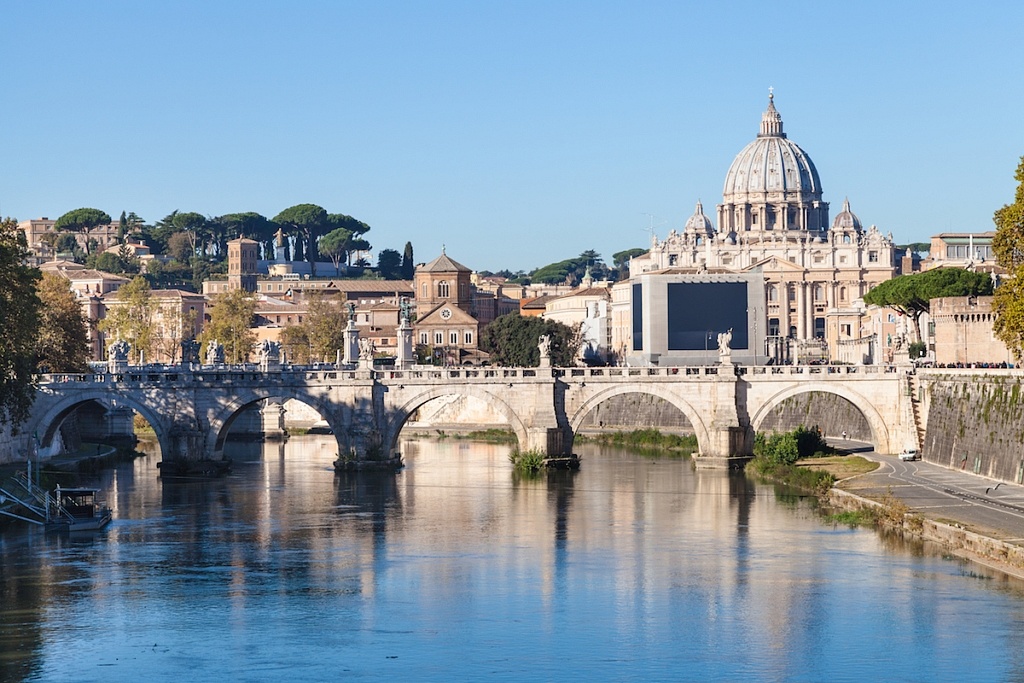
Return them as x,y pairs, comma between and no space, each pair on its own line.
515,133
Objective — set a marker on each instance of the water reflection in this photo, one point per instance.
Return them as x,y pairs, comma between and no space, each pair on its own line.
456,568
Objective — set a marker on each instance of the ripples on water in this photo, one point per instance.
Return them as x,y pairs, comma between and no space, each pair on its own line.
457,569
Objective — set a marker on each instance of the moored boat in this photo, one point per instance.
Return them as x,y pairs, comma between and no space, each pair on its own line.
76,509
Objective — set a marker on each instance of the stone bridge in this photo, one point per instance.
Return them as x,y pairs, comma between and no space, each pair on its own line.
192,410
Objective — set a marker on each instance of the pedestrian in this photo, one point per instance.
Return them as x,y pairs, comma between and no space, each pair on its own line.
844,435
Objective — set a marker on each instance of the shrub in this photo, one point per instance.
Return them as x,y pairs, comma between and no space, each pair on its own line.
526,461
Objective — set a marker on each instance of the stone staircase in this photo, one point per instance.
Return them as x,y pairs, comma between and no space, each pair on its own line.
914,392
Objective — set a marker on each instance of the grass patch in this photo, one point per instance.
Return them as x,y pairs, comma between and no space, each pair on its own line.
840,467
853,518
489,436
646,440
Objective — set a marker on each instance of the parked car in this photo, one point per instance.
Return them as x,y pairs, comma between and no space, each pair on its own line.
910,454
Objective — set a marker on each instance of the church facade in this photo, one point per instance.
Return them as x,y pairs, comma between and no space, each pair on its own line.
773,219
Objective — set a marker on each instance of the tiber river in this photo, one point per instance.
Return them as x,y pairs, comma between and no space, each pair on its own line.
455,569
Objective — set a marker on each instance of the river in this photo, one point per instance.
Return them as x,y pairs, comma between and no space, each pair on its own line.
456,569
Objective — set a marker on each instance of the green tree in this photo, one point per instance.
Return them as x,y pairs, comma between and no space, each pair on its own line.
912,294
250,225
306,223
389,264
512,340
131,318
63,341
358,228
83,221
231,318
335,245
196,227
1008,246
19,310
620,261
408,266
108,263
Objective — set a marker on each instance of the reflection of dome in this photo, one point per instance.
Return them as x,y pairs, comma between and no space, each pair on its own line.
699,223
771,164
846,219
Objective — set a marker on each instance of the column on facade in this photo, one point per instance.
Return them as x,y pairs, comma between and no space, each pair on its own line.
801,310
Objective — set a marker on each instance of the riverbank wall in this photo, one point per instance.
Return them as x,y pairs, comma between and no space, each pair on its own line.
975,422
991,552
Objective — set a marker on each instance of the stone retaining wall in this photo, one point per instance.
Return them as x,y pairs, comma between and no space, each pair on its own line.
976,423
1006,557
830,413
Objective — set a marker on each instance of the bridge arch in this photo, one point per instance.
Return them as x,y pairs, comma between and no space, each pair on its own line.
877,425
46,424
399,414
222,420
604,394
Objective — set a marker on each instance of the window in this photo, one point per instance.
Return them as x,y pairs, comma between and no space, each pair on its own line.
873,257
773,295
819,293
842,293
443,289
845,330
423,338
453,337
773,327
438,338
672,257
468,338
424,290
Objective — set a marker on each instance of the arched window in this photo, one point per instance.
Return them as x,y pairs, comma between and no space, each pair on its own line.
443,289
773,293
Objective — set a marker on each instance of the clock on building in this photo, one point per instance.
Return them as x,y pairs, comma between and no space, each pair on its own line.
446,313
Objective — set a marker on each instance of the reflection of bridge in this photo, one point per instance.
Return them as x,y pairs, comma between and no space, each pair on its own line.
192,411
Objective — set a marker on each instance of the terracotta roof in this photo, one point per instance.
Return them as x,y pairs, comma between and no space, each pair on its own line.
443,264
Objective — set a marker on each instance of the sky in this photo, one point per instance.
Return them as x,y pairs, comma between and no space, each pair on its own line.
512,134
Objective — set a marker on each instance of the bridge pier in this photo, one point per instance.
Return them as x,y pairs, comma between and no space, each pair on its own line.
187,454
272,420
547,440
121,426
727,448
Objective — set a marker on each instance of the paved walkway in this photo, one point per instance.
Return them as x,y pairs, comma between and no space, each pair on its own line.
993,509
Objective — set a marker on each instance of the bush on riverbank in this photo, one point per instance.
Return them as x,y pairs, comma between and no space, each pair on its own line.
785,448
776,455
646,440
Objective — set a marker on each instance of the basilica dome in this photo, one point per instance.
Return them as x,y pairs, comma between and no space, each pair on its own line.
847,220
771,165
699,223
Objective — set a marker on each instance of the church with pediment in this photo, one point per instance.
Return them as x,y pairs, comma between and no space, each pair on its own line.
773,218
446,327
